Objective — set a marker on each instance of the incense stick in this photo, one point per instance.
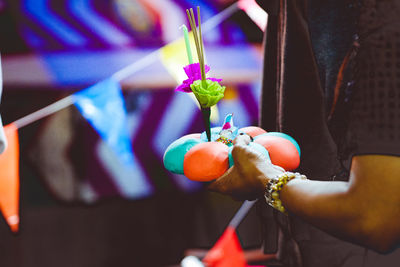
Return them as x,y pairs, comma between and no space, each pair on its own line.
197,39
194,30
201,44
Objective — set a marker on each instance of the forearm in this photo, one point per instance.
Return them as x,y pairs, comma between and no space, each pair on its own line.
366,210
327,205
340,209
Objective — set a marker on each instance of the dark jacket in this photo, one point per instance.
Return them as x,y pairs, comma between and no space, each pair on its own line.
302,60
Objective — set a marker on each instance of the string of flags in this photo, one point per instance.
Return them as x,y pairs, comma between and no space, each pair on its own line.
102,105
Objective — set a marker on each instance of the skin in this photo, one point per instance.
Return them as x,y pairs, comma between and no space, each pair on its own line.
365,210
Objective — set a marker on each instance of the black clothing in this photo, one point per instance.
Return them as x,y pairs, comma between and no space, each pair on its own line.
324,56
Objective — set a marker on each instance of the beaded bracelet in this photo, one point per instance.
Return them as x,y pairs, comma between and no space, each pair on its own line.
275,185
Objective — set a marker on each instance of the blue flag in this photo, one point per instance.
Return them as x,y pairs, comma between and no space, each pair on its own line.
103,106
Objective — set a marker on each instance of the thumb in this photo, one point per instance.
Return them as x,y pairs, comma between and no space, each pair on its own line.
242,153
242,139
221,184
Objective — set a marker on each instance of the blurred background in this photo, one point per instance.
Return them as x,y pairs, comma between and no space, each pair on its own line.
72,211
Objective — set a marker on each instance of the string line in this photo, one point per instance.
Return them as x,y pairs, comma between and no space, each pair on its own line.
123,73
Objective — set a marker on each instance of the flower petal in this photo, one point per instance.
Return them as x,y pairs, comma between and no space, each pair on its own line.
209,93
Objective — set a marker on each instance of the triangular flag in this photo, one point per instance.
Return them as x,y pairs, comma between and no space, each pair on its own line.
103,106
227,252
9,178
255,12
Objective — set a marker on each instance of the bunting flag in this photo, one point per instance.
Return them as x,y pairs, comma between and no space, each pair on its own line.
255,12
9,179
103,106
227,252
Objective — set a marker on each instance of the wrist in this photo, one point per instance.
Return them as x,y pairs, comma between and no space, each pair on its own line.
274,187
269,173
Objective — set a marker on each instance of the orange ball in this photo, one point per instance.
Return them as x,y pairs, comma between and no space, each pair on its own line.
206,161
253,131
281,151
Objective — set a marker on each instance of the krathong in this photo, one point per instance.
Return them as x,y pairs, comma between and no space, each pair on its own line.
206,156
207,91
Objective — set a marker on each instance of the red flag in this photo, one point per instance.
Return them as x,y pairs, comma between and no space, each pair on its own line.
227,252
9,178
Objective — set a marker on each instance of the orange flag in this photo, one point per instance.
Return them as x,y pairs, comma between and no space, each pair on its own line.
227,252
9,178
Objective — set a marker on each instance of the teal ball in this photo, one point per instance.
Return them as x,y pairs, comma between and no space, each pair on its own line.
230,158
175,153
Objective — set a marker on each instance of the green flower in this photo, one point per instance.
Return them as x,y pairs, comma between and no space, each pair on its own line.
208,93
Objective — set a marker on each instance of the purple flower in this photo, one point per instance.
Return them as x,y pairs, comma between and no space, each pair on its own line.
193,72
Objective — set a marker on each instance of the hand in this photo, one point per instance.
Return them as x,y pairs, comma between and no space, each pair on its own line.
249,175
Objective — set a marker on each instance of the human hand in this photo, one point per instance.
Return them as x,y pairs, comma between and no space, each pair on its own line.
249,175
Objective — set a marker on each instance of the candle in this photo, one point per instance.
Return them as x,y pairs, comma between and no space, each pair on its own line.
187,43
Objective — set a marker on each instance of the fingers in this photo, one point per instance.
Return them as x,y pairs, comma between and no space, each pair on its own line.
246,179
242,139
220,185
231,183
243,153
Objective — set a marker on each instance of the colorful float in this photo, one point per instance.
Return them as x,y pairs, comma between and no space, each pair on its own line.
208,155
